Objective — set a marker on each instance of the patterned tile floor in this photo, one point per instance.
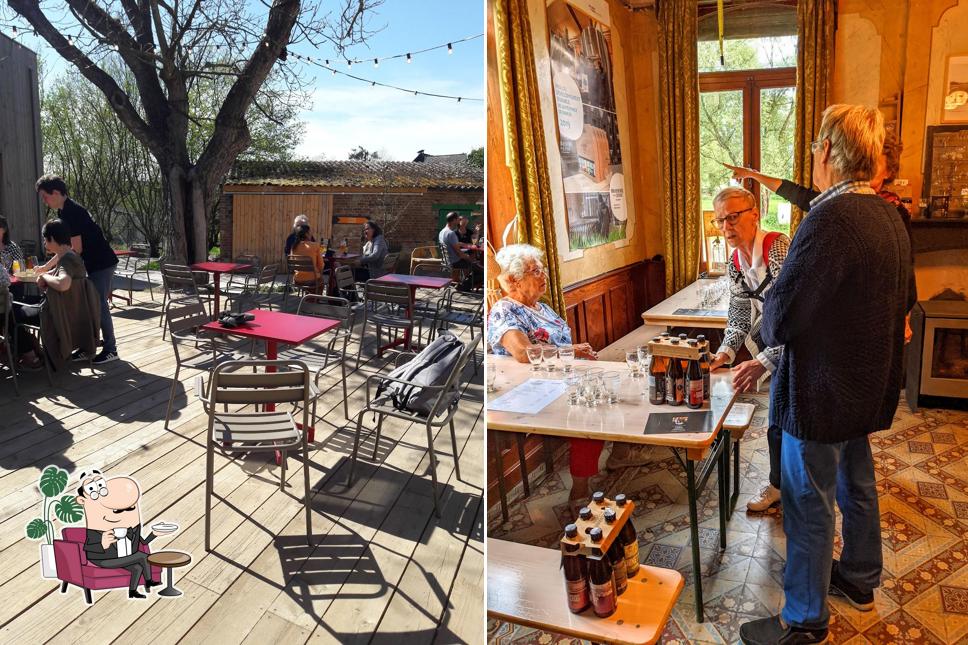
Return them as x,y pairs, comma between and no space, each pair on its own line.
922,473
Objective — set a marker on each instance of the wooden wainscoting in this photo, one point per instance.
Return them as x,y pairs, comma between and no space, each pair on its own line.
602,309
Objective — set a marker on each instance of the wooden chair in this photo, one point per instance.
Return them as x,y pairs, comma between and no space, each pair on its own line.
386,305
247,430
441,414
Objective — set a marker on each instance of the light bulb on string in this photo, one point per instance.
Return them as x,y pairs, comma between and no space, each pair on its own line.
70,40
376,62
458,99
450,49
409,59
349,64
334,72
15,31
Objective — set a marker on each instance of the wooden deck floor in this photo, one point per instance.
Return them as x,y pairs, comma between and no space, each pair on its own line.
384,568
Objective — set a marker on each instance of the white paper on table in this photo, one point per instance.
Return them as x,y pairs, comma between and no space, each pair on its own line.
530,397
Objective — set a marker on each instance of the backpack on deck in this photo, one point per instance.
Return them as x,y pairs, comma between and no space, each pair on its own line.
431,367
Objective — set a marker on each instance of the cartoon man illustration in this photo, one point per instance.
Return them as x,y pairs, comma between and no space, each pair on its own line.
113,518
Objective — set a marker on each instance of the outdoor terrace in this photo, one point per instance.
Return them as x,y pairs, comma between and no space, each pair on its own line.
383,568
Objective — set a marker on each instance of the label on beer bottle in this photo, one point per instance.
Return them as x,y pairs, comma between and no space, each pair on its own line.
620,576
603,597
577,594
632,558
695,393
651,381
680,390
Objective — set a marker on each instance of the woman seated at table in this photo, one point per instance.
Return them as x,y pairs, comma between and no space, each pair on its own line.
518,321
375,250
306,246
70,309
9,251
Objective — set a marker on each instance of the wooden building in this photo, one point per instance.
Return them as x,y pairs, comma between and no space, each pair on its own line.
21,160
408,199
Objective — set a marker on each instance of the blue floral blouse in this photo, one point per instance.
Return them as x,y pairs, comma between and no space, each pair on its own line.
541,326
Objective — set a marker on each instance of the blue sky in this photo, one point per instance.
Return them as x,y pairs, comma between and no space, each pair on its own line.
345,113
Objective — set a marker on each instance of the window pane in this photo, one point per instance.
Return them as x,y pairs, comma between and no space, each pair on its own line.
777,122
748,53
720,140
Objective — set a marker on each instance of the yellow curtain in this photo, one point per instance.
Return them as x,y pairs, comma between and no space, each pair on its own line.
679,113
816,24
524,138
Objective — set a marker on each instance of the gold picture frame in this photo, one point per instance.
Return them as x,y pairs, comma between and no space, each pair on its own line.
954,100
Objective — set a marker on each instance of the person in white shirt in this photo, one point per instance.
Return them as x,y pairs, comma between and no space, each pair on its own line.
756,261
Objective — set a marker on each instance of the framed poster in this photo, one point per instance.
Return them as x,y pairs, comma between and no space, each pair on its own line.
954,107
583,70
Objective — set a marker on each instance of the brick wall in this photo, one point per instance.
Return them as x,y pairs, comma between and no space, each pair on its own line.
416,218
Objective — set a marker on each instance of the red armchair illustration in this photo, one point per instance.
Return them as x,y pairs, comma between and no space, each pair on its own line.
73,567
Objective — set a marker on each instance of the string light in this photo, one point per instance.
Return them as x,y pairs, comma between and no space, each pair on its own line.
373,83
450,49
409,60
376,62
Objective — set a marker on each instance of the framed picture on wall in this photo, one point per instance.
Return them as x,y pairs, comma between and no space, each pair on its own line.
954,108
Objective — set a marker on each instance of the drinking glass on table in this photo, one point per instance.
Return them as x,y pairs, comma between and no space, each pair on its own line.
535,355
491,372
645,358
590,389
573,381
550,356
566,353
632,360
612,384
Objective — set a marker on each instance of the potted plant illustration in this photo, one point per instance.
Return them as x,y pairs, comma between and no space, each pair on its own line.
53,481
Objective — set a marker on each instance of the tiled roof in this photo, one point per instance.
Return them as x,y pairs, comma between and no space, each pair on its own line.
358,174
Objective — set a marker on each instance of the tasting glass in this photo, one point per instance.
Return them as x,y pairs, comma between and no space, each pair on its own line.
573,381
566,353
612,382
491,378
632,360
550,356
535,354
645,358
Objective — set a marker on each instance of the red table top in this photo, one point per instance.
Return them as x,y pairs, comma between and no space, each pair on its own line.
122,254
421,281
220,267
281,327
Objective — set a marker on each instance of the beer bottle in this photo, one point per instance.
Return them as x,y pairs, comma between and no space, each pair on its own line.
585,513
630,541
598,498
576,573
675,382
704,362
683,338
657,380
601,585
616,555
665,334
694,386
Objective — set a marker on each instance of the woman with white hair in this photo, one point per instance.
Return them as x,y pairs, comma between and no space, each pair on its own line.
519,321
300,220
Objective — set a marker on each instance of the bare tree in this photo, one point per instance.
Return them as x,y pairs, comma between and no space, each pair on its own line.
168,46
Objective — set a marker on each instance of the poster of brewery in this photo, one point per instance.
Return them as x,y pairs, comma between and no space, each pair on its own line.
588,139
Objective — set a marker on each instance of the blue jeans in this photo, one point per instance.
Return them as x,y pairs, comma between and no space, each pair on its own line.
814,475
102,282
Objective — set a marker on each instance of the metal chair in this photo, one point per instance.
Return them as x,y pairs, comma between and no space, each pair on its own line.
424,255
181,286
142,252
247,431
389,305
334,309
390,263
258,291
441,414
183,321
6,342
240,281
347,286
301,264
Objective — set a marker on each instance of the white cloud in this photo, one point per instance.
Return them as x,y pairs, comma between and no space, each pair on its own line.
343,117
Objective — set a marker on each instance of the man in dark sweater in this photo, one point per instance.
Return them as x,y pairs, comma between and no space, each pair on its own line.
88,241
838,309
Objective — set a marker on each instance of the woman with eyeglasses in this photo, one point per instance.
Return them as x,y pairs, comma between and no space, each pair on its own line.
375,250
753,267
